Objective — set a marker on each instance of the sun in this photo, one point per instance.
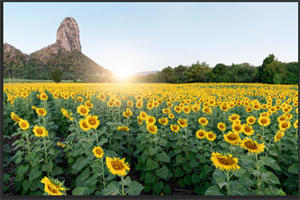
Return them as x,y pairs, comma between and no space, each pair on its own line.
123,73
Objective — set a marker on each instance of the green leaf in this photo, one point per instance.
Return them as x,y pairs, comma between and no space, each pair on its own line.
219,178
238,189
150,164
79,191
162,172
246,180
149,177
293,168
270,177
213,190
135,188
179,159
111,189
79,164
167,189
163,157
178,172
194,163
270,162
152,151
195,178
83,176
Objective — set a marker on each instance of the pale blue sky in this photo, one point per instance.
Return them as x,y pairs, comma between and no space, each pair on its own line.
131,37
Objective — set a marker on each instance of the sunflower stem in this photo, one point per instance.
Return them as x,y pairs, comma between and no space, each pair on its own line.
227,184
28,146
46,155
123,190
103,178
258,178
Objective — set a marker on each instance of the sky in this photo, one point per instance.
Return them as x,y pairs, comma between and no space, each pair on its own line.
132,37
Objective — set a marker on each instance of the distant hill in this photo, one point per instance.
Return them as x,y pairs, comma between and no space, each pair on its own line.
64,54
144,73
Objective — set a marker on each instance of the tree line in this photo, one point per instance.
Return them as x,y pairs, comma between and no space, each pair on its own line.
271,71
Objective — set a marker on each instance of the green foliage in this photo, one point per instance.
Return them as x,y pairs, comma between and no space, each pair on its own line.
56,75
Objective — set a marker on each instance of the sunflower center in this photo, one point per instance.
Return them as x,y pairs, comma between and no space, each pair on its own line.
203,121
39,131
250,145
200,134
226,161
83,110
23,124
117,165
263,121
151,128
85,125
52,189
232,137
98,151
210,135
237,128
284,125
247,129
251,120
92,121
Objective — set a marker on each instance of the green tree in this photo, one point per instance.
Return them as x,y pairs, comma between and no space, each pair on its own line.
56,75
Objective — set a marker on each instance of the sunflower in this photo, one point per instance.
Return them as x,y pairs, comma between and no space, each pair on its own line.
123,128
210,136
263,121
177,109
164,121
24,125
15,117
295,124
175,128
150,120
110,104
127,113
83,110
143,115
224,106
252,146
247,130
80,99
40,131
221,126
88,104
60,144
171,115
283,126
140,121
43,96
98,152
200,134
41,111
84,125
203,121
278,136
52,188
93,121
139,104
182,122
251,120
150,106
223,162
152,128
186,109
237,127
118,103
207,110
233,117
232,138
117,166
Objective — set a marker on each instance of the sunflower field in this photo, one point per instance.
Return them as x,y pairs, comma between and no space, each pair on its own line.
150,139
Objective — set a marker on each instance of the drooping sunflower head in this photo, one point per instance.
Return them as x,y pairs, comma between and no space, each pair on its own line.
221,126
24,125
224,162
252,146
84,125
200,134
116,166
15,117
175,128
182,122
248,130
53,189
83,110
203,121
40,131
210,136
278,136
98,152
123,128
164,121
232,138
93,121
152,128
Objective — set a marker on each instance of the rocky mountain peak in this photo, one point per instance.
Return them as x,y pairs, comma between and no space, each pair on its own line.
67,35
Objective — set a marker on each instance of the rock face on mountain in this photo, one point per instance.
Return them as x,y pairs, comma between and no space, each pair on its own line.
64,54
68,35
